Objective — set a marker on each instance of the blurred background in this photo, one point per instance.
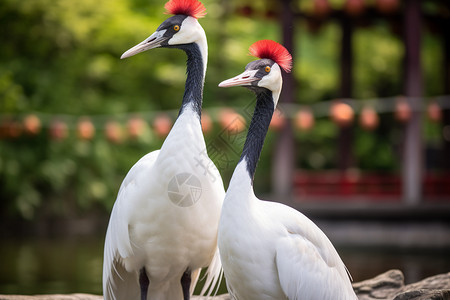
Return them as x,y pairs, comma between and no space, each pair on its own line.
360,142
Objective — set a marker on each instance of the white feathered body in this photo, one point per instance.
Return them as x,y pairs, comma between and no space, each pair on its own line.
147,229
271,251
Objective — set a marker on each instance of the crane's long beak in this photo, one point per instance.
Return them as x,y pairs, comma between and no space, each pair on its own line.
153,41
246,78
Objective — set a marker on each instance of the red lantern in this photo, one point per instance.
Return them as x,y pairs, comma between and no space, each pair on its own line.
354,7
271,14
86,129
304,120
368,118
32,124
162,124
403,111
13,129
342,114
434,112
206,122
277,121
58,130
246,11
135,127
3,129
113,132
321,8
387,6
231,120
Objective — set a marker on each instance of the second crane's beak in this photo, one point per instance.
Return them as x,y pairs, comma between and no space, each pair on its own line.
153,41
244,79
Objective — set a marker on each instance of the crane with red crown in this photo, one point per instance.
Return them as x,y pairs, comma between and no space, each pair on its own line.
163,226
270,251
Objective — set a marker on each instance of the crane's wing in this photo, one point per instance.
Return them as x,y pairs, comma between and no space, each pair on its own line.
117,241
309,267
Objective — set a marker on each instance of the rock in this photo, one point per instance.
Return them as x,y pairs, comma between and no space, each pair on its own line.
381,287
387,286
431,288
87,297
390,285
52,297
424,295
437,282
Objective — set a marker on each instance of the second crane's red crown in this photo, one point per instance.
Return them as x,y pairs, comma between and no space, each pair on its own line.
274,51
193,8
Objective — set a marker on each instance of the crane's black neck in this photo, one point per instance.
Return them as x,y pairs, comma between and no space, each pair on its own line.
258,129
193,91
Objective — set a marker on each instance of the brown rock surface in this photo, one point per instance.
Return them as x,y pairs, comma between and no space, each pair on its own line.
388,286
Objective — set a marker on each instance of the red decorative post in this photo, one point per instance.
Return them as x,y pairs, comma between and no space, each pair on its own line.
412,168
446,111
284,159
345,139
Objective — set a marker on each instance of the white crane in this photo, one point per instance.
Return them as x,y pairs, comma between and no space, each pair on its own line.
269,250
163,226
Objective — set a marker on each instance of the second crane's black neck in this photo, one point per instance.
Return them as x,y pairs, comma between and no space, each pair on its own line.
193,91
258,129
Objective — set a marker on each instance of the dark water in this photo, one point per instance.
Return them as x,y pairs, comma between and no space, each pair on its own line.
35,266
51,266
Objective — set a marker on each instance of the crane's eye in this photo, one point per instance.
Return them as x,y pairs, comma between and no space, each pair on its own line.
267,69
176,27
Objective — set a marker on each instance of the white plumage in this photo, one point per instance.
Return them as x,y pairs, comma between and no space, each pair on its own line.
271,251
152,234
148,229
268,250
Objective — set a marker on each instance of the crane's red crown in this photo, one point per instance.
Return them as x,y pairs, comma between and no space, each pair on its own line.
193,8
274,51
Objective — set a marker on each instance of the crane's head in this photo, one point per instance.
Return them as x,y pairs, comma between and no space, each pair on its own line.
264,73
180,29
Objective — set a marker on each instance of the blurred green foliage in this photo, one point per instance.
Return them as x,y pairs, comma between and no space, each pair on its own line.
61,58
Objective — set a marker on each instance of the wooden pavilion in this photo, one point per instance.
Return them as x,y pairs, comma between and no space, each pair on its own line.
410,17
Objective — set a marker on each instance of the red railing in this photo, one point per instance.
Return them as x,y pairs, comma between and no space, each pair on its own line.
376,186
